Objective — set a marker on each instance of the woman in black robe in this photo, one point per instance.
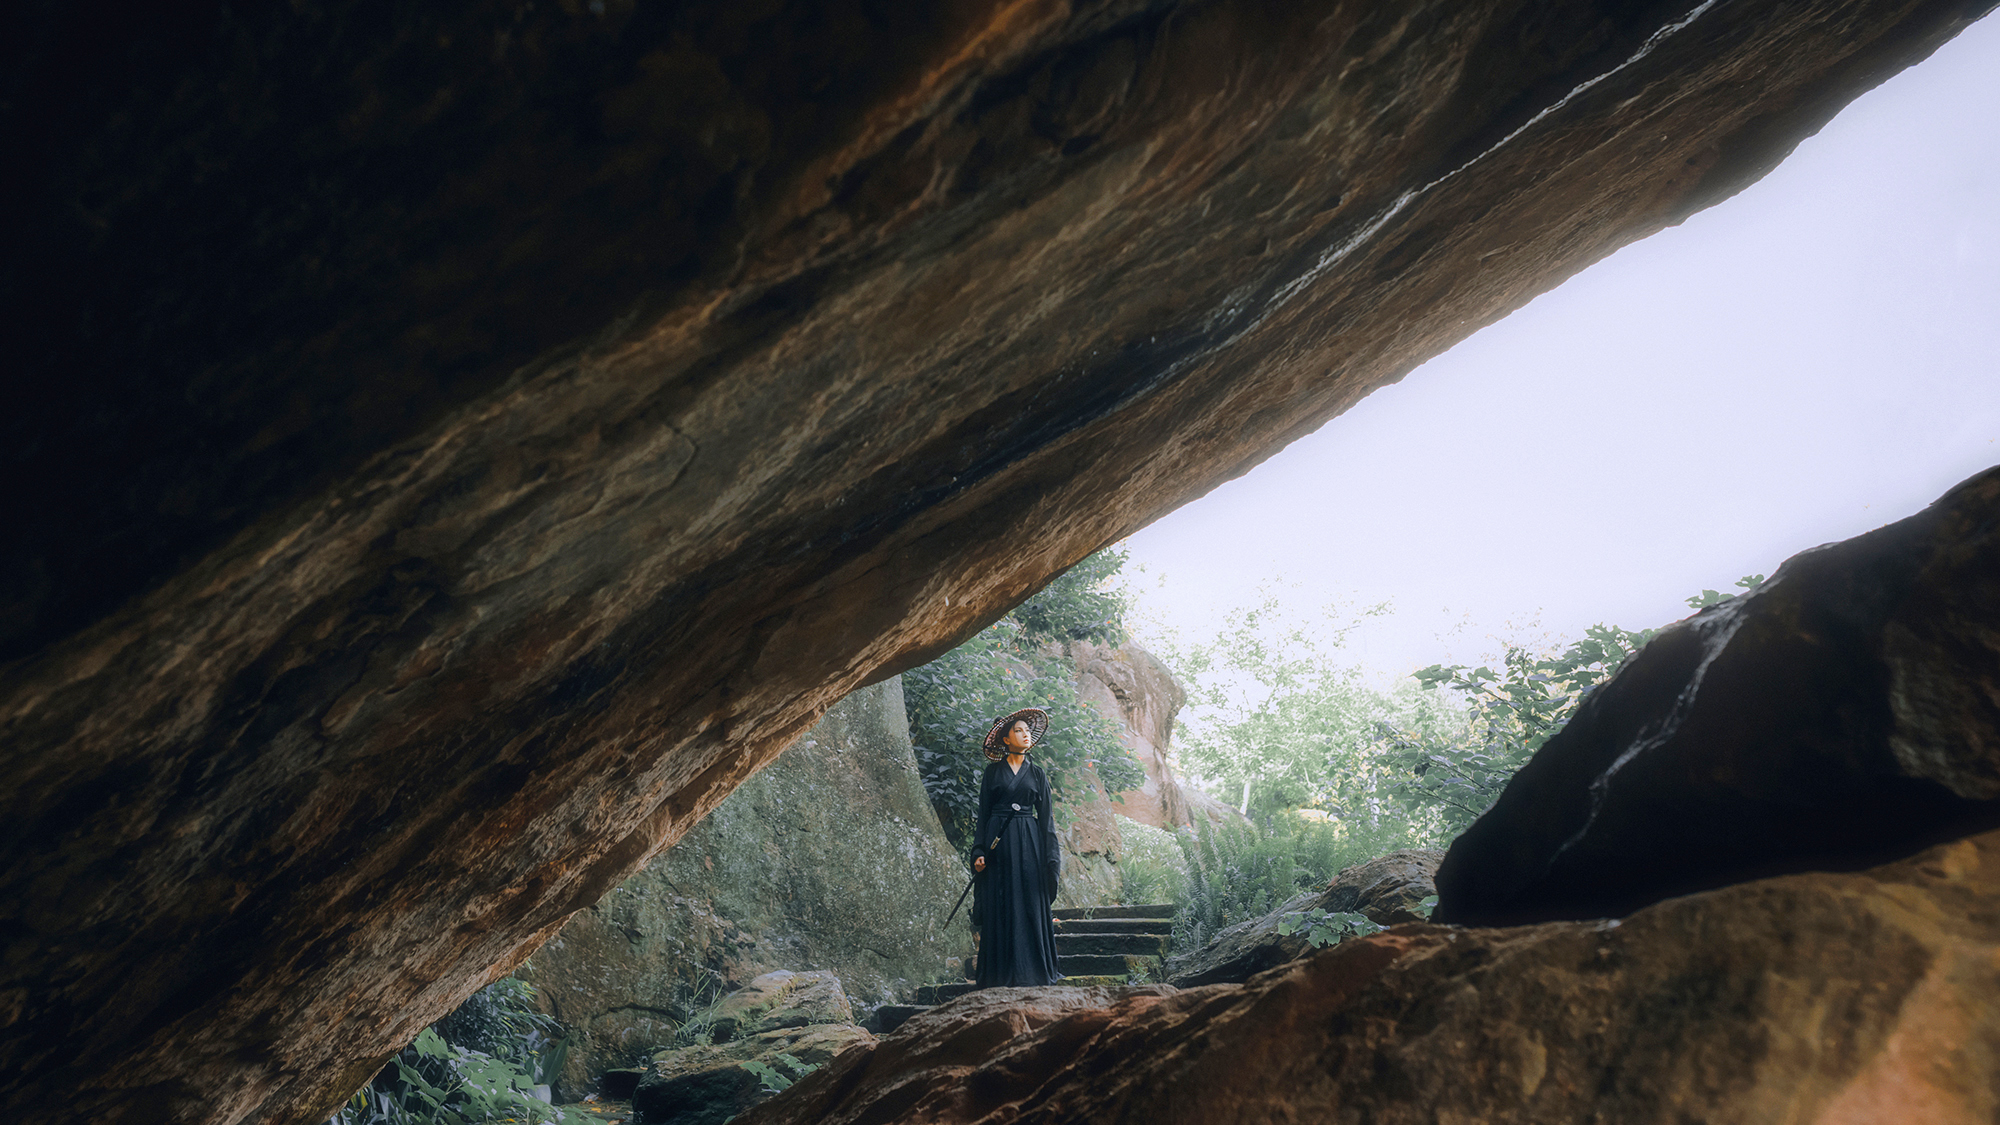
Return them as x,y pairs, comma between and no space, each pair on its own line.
1016,859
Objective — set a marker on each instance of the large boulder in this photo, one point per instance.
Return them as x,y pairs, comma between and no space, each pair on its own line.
829,859
1386,890
1845,712
1828,998
455,445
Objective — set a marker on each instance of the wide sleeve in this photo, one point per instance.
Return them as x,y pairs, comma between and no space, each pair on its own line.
1051,843
980,841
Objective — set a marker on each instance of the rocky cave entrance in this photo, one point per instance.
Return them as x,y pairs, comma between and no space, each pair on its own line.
460,447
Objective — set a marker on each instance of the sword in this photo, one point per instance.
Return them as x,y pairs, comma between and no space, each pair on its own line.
968,887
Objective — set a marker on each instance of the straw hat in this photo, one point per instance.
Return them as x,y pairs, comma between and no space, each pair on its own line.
1038,725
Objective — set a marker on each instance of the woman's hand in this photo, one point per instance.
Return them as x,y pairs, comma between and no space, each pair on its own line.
978,864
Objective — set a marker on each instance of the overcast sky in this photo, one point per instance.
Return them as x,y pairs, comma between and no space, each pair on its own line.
1813,358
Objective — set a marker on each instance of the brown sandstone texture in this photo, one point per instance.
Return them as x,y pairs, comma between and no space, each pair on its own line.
1387,890
455,445
829,860
1844,712
1820,999
1130,686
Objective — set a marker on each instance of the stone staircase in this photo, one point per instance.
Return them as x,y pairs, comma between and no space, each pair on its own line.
1095,945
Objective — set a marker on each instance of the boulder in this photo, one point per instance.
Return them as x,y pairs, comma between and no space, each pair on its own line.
1387,890
1390,889
707,1085
1844,712
829,859
1823,997
457,445
780,1000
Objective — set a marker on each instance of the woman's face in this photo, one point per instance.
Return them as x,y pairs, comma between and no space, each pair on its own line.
1019,737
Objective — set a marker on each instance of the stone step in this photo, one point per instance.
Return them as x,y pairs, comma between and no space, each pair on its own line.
889,1017
1158,910
1150,926
1105,964
1137,945
1085,980
931,994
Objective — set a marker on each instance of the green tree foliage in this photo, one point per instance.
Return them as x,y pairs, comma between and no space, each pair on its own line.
1082,604
1457,775
953,700
1275,716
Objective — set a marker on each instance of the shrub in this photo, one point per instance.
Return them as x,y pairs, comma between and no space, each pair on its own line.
482,1063
1240,871
1152,869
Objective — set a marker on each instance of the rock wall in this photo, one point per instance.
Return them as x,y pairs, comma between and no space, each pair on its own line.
455,445
1129,686
829,858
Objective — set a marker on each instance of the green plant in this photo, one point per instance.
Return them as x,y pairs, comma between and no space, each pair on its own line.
491,1060
1151,868
1239,872
432,1082
774,1080
1277,721
1155,973
702,1001
1080,605
1715,597
1458,775
1323,928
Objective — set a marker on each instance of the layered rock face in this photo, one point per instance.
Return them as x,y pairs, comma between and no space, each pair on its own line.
1825,998
828,859
1130,685
1844,712
456,445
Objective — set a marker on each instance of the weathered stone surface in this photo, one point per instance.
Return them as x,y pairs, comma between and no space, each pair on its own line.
830,858
1131,687
1387,890
782,999
1845,712
707,1085
1391,889
1823,998
455,445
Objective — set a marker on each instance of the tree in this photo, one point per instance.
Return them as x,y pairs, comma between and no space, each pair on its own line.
1513,712
1279,723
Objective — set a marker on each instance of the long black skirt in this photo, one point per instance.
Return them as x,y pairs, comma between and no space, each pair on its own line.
1017,943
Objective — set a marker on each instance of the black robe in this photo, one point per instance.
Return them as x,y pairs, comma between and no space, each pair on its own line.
1017,943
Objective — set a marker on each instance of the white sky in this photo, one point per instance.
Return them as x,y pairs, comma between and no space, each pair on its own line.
1813,358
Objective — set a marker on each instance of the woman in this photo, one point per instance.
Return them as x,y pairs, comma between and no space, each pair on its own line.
1015,858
